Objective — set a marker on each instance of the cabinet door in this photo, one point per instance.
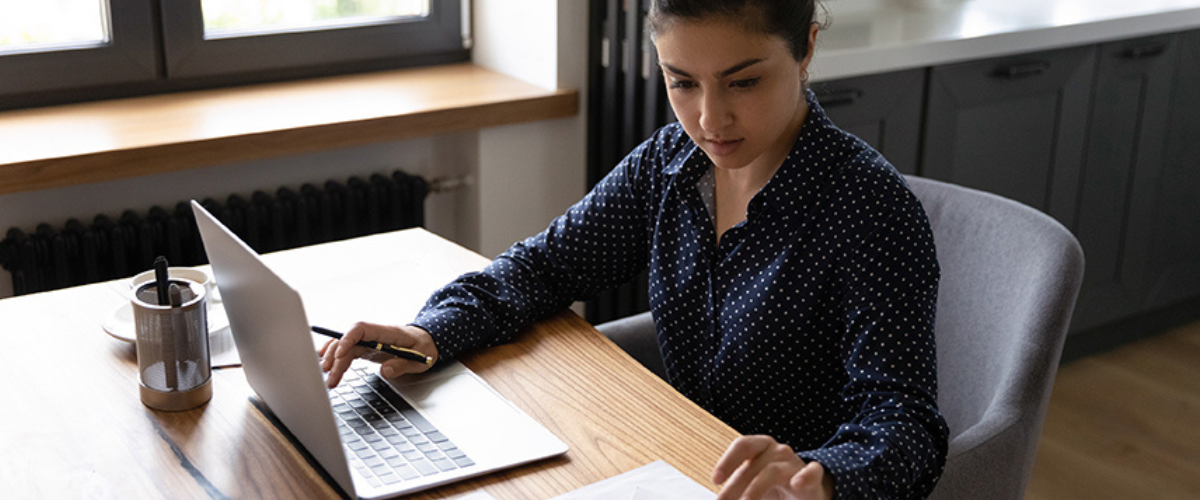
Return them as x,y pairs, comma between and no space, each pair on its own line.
883,110
1122,171
1175,262
1013,126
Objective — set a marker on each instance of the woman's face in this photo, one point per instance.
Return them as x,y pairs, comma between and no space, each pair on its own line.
737,93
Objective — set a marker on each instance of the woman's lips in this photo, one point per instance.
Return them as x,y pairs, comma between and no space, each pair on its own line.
721,147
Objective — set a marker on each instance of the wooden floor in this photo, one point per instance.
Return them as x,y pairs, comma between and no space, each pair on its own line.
1125,424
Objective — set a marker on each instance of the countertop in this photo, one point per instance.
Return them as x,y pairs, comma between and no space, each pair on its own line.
877,36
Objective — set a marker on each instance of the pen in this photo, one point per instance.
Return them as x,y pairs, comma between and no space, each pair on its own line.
399,352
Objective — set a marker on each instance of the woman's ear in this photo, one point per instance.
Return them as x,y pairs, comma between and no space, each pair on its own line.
812,43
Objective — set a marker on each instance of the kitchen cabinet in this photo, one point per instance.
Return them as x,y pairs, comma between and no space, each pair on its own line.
1175,239
1104,138
1122,176
883,110
1014,126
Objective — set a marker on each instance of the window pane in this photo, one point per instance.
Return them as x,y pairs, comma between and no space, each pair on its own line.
229,18
42,25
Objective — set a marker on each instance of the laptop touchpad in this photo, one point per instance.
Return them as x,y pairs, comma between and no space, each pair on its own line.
470,413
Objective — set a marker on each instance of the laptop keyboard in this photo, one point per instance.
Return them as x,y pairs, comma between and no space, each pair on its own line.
386,440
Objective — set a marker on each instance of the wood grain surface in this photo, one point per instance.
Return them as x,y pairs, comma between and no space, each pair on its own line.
1124,424
98,141
72,424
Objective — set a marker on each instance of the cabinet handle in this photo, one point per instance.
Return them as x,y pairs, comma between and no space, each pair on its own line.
1145,51
839,98
1022,70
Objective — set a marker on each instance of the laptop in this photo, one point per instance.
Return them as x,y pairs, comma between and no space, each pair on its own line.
375,438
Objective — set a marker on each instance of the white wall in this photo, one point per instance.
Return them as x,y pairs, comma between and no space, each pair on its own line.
525,174
531,172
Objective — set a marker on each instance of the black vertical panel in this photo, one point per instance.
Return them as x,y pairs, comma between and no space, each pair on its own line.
136,259
189,244
606,98
597,14
629,103
102,233
610,90
634,103
418,191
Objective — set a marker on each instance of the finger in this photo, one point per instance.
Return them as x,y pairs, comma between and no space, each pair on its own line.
327,354
809,482
753,452
329,365
373,333
347,344
774,477
396,367
742,449
735,486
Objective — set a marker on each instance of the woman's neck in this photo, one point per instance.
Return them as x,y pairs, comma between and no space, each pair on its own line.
735,187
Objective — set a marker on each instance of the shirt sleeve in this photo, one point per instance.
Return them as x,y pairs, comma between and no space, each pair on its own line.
599,243
895,447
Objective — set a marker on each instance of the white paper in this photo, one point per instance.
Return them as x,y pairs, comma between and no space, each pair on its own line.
655,481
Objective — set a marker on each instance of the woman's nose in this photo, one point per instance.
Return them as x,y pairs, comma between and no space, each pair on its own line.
715,113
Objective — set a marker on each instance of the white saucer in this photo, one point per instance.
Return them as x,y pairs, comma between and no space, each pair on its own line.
119,323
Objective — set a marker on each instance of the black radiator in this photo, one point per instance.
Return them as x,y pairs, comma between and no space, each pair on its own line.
628,102
105,249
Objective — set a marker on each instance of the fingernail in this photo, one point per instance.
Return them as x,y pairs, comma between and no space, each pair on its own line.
388,372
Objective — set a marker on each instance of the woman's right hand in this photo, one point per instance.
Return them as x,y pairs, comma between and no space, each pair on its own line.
337,354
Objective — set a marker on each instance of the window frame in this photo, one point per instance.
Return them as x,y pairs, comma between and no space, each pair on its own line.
188,54
130,55
158,46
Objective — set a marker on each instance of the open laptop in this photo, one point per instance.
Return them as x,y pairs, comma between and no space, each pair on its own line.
375,438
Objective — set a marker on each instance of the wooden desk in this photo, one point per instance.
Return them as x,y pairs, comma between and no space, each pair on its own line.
72,425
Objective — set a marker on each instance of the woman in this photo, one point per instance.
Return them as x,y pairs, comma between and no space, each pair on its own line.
793,276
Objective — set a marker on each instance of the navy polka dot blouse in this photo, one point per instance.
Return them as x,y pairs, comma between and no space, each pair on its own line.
811,321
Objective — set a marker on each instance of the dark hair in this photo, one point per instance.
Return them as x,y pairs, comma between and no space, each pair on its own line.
787,19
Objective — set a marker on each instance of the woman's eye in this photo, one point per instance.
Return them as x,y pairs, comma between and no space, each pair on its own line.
744,84
682,84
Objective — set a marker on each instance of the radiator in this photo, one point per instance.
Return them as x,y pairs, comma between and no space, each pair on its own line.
79,253
628,102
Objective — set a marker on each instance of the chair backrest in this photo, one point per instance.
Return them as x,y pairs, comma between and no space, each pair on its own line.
1009,279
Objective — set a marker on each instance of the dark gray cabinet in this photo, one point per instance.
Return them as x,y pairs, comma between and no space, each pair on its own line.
883,110
1104,138
1014,126
1122,176
1175,239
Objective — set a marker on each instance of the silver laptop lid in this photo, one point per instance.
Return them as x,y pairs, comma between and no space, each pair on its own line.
271,332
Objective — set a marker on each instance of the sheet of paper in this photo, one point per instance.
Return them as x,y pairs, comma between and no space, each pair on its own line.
655,481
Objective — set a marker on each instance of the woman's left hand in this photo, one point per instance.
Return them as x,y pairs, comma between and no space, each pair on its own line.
758,467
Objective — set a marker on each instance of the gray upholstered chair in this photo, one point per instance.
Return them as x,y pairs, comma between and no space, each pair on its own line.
1010,276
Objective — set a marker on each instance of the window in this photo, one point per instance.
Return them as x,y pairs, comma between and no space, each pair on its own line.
62,50
47,25
54,45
